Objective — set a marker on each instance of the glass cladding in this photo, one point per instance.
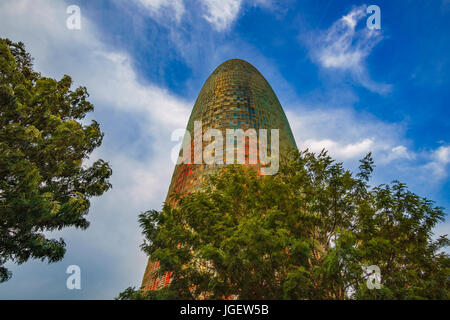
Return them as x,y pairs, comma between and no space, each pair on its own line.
235,96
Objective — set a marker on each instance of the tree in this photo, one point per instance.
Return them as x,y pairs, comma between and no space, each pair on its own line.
44,184
305,233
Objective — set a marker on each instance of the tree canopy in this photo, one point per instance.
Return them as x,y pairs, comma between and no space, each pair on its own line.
44,184
305,233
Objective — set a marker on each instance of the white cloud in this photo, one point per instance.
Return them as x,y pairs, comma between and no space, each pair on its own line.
399,152
140,179
340,150
439,160
349,135
344,47
346,134
221,13
443,154
166,8
120,88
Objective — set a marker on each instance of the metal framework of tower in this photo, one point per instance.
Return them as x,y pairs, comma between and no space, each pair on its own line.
235,96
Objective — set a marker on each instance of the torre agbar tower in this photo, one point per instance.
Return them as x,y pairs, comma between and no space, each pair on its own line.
235,96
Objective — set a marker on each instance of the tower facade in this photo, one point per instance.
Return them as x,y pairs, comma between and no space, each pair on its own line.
235,96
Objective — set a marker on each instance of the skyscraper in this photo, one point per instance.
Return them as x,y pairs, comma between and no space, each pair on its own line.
235,96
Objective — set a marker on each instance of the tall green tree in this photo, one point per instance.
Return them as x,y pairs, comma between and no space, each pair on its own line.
305,233
44,185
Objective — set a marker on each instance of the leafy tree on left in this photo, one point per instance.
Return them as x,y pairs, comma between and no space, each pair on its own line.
44,184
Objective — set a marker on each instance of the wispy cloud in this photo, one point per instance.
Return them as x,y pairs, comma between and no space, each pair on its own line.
345,46
221,13
340,150
346,134
164,8
400,152
439,162
137,119
349,135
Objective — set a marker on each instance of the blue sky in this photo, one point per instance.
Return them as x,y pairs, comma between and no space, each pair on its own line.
344,87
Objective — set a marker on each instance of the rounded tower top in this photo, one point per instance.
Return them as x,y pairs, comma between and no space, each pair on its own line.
235,64
235,96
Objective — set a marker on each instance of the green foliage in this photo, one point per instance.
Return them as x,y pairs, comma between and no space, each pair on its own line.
305,233
43,184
